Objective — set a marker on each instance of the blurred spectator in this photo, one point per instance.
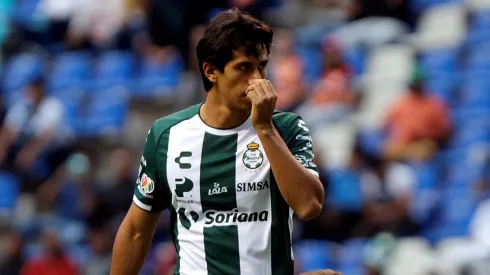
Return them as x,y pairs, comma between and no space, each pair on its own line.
388,188
166,259
32,132
112,195
100,241
103,24
295,13
398,9
58,14
286,70
373,23
417,125
342,212
332,98
13,259
52,261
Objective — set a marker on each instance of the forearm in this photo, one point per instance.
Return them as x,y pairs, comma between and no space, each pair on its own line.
129,252
7,137
299,187
39,142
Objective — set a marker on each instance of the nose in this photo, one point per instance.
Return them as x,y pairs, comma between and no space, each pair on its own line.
255,75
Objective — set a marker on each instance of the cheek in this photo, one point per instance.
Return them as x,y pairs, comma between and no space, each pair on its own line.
236,80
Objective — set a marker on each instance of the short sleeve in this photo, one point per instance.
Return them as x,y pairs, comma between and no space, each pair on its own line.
298,139
16,117
150,190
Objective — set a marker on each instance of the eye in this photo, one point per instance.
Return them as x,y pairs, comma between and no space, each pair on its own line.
245,67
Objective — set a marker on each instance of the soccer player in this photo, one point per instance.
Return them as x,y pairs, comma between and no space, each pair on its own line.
232,170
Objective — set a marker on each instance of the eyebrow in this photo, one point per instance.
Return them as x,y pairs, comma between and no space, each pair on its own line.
244,62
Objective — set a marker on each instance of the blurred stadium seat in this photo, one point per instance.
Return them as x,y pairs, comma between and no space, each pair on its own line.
21,69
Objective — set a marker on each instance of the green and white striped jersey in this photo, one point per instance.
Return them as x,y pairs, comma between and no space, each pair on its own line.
227,214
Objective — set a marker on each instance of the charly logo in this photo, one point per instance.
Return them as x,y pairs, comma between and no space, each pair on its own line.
184,220
253,157
183,165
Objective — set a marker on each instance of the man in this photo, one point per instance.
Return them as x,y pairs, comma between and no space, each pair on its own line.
418,124
232,171
32,131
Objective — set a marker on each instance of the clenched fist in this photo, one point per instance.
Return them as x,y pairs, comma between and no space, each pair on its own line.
322,272
263,98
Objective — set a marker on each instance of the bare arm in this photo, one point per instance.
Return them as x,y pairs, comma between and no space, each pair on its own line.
133,240
302,190
7,137
322,272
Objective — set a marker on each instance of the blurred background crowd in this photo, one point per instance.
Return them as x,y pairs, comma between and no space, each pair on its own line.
395,92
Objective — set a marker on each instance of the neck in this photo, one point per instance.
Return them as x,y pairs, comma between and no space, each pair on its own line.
217,115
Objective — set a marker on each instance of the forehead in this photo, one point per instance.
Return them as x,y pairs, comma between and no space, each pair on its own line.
241,56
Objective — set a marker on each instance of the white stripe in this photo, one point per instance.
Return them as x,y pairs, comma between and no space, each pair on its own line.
254,237
140,204
314,172
191,241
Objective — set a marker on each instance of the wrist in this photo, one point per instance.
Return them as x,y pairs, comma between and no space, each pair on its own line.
265,130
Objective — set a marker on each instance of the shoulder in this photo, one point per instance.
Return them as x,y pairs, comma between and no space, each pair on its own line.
165,123
285,119
287,124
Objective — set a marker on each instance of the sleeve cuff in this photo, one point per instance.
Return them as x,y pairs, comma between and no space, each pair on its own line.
141,204
314,172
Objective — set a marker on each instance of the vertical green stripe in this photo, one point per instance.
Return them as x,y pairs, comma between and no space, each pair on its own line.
218,166
161,163
280,235
174,231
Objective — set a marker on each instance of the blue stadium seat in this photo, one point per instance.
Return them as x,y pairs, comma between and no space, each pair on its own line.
313,68
372,141
477,38
471,118
355,58
18,72
314,255
475,93
356,269
159,78
71,75
425,193
419,6
480,20
442,85
439,61
114,68
80,253
344,190
25,11
478,59
465,137
352,253
9,192
457,207
106,113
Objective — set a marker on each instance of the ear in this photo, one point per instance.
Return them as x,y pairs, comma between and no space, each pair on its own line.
210,72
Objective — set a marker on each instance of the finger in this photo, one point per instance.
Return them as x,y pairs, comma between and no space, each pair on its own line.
271,93
254,95
271,87
254,81
256,92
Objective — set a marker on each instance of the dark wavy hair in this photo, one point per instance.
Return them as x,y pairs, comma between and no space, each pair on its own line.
229,31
